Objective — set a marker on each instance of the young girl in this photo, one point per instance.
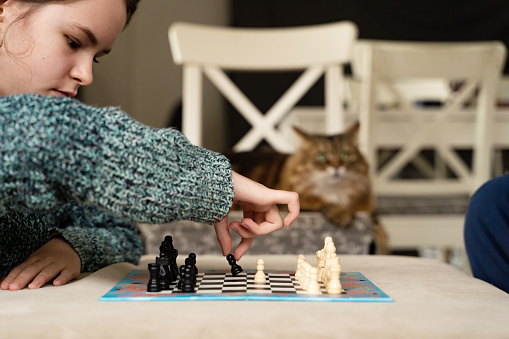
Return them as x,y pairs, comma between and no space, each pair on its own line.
74,178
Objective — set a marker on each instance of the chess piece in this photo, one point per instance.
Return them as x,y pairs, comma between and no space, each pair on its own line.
334,284
181,270
298,272
187,281
330,258
325,243
302,274
313,286
153,281
307,277
320,257
235,268
259,277
164,274
192,259
171,254
164,267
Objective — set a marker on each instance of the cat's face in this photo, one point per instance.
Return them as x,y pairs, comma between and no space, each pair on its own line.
329,165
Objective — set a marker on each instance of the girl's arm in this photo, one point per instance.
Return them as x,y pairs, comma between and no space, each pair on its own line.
56,150
83,239
99,238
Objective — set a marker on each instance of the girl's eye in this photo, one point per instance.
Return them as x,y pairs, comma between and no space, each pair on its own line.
73,43
321,158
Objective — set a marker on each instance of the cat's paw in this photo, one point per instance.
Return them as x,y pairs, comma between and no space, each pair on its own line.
340,218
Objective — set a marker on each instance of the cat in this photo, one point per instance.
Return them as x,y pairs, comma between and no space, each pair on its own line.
329,173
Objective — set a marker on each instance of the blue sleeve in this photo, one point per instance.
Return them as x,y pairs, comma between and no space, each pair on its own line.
487,232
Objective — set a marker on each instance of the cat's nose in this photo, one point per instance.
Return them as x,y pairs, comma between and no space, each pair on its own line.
339,171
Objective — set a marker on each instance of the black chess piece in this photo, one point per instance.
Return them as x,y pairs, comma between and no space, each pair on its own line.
187,280
179,284
153,282
171,253
164,273
236,269
192,256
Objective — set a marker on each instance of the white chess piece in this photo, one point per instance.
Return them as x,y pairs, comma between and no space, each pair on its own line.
307,277
321,263
302,275
313,286
330,258
326,272
334,284
326,241
259,277
298,272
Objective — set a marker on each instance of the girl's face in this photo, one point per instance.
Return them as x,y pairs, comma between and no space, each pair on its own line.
51,51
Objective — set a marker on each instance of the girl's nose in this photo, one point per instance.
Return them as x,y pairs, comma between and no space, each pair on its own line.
82,73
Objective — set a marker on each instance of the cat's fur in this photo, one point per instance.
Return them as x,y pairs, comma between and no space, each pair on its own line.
329,173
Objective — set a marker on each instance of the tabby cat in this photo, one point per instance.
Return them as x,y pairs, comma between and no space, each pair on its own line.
329,173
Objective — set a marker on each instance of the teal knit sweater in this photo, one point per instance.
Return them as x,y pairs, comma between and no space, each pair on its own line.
90,173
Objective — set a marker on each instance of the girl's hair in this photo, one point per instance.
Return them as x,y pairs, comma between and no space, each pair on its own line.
131,6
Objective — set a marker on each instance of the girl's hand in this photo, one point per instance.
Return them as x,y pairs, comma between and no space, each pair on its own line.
54,260
261,214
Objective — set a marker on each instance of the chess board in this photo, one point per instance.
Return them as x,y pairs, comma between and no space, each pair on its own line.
221,285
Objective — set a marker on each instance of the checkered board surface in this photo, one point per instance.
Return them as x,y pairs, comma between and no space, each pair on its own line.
221,285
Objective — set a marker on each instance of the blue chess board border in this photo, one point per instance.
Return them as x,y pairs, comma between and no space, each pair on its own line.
221,285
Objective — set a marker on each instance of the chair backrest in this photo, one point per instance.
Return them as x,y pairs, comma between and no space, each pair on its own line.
464,120
315,50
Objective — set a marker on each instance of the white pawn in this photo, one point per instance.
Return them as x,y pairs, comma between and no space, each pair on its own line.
300,256
307,277
334,284
313,286
298,272
259,277
302,274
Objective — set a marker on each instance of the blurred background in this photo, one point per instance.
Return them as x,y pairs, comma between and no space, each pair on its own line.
140,76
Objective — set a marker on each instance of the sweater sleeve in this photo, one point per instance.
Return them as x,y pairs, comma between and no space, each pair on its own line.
56,150
99,238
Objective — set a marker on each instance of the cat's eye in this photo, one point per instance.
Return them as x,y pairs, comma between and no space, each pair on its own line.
321,158
345,156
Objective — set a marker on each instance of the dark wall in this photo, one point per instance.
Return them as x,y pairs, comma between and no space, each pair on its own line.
430,20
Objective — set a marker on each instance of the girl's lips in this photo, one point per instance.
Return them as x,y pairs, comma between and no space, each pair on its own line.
64,94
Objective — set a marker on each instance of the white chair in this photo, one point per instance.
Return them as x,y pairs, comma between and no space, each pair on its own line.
315,50
394,80
410,128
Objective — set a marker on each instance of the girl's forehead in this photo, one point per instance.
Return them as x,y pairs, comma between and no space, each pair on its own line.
106,11
104,18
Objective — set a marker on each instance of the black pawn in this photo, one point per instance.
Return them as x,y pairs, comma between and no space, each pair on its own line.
236,269
153,281
192,256
179,284
187,280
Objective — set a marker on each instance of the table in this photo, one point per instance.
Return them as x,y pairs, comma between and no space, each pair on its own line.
431,300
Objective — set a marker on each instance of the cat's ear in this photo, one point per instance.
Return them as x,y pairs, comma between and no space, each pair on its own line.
302,136
353,133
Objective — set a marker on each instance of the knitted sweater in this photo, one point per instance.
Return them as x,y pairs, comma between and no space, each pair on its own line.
90,173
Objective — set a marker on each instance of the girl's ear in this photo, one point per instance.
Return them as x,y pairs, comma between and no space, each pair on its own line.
4,7
3,3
